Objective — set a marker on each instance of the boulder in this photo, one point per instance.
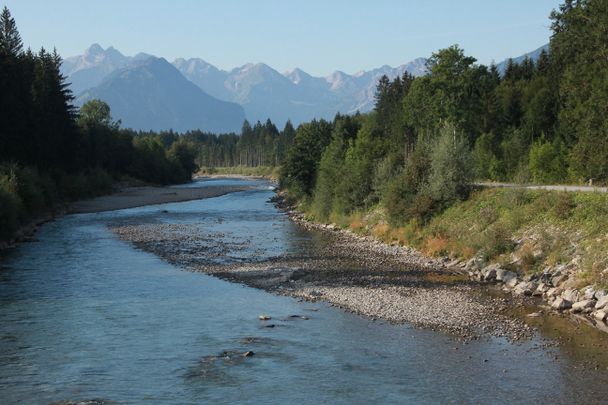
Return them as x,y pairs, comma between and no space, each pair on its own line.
551,292
545,276
540,290
588,293
525,288
599,294
600,315
489,272
557,280
504,275
602,302
471,265
512,282
561,304
571,294
581,305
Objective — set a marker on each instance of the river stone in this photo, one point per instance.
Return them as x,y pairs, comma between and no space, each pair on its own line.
546,275
588,293
557,280
512,282
581,305
551,292
602,302
489,272
505,275
541,289
600,315
525,288
599,294
561,304
571,295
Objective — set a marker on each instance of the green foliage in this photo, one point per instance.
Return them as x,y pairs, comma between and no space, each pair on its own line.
182,154
299,171
57,154
547,161
96,113
407,196
514,153
451,172
485,160
579,52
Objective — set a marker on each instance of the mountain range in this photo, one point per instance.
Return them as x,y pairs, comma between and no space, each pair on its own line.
132,87
147,92
150,94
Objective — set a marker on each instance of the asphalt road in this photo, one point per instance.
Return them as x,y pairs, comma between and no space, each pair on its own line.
549,187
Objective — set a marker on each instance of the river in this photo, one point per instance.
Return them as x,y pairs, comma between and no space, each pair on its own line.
84,315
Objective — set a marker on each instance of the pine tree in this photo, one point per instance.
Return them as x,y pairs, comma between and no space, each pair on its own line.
10,40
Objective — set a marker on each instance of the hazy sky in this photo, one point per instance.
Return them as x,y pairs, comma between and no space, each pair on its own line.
319,36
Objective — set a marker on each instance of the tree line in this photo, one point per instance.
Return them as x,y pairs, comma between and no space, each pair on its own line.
430,137
51,153
257,145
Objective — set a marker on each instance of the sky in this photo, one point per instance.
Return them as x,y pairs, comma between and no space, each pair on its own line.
318,36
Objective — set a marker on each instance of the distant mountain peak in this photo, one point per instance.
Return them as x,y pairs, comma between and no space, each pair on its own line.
152,94
261,90
94,49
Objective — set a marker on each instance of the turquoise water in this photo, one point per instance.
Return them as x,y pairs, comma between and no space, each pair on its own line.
84,315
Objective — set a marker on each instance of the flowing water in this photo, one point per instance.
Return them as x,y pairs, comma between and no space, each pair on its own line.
84,315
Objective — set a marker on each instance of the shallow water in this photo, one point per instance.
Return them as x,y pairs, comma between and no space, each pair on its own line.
84,315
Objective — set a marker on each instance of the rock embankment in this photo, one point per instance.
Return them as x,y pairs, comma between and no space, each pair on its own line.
556,286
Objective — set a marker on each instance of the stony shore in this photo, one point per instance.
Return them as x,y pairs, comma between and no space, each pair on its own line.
556,286
355,273
132,197
127,197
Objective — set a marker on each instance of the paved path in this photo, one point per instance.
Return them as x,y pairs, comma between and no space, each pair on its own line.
540,187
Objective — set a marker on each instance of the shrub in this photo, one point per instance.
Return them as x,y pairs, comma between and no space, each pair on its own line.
564,205
547,161
10,207
450,173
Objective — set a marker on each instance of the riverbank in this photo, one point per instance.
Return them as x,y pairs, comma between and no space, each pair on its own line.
357,274
535,243
132,197
125,197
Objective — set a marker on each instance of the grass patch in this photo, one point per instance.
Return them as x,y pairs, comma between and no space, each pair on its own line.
523,229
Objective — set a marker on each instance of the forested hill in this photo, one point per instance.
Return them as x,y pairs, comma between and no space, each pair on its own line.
51,153
429,137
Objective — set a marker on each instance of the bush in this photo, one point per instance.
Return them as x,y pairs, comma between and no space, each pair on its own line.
487,165
10,204
451,172
564,206
547,161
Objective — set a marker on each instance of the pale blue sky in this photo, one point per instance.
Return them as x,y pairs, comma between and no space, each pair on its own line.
315,35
